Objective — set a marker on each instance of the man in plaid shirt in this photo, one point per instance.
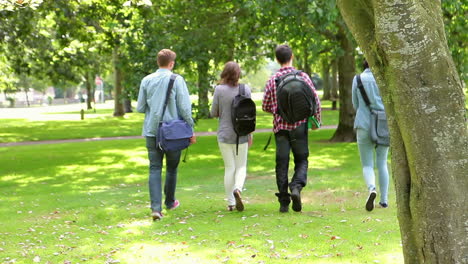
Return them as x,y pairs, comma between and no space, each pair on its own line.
289,136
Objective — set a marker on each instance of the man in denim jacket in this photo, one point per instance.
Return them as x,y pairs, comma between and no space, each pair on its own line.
151,99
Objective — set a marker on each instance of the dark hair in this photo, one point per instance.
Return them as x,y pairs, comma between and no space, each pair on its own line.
231,73
165,56
283,53
365,65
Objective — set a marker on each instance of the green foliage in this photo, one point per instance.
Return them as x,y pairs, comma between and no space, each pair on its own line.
456,30
88,202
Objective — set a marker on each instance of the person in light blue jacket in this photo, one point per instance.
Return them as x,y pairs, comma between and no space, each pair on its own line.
365,145
151,99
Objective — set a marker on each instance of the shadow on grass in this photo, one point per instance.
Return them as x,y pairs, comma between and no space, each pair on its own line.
93,198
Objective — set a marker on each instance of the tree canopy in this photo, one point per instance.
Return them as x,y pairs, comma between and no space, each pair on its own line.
72,41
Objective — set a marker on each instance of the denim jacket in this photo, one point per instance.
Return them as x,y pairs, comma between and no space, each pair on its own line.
151,99
362,119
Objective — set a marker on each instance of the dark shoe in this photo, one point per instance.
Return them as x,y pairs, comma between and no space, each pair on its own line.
284,199
383,205
156,215
239,204
175,205
296,200
230,208
284,208
370,201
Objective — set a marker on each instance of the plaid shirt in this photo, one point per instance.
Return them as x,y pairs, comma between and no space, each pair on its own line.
270,103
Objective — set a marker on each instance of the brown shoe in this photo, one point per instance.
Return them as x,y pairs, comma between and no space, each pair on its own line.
239,204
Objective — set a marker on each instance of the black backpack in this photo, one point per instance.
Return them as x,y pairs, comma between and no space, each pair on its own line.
296,100
243,114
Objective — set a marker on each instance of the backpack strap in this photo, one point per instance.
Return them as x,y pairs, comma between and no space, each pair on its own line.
363,92
268,143
168,93
242,93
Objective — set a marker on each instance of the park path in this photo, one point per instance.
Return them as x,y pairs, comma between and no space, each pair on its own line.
59,141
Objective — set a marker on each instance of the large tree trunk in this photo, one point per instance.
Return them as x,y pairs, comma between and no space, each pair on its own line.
346,70
326,79
203,85
118,100
405,44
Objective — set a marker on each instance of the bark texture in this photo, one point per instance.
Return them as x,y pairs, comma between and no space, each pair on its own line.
346,70
405,44
203,85
326,79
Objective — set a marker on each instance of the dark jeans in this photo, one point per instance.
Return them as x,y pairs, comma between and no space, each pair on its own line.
297,141
155,156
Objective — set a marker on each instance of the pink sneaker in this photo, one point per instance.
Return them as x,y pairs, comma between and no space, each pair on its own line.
156,215
175,205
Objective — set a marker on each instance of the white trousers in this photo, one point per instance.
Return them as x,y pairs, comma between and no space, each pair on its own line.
235,168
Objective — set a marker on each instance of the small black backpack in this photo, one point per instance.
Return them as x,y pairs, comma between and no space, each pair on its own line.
296,100
243,114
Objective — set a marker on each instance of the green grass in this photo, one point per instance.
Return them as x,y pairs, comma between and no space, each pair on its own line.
88,203
103,124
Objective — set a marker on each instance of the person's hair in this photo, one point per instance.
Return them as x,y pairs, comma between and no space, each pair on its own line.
365,65
231,73
283,53
165,56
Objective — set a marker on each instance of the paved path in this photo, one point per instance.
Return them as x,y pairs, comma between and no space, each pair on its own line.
11,144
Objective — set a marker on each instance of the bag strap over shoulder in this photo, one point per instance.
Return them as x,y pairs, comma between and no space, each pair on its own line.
168,93
363,92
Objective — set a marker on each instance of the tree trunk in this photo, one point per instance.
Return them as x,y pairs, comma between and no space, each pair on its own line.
118,100
334,84
203,85
346,70
307,68
127,103
334,80
26,90
405,44
326,79
89,81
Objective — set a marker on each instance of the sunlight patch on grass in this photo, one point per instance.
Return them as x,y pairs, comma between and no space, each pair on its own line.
201,157
161,253
324,162
23,180
11,177
191,188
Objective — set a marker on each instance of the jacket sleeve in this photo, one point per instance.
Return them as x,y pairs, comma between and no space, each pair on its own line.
267,102
215,105
184,106
355,98
141,105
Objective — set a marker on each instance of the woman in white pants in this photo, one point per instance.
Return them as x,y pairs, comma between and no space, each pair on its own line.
235,164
